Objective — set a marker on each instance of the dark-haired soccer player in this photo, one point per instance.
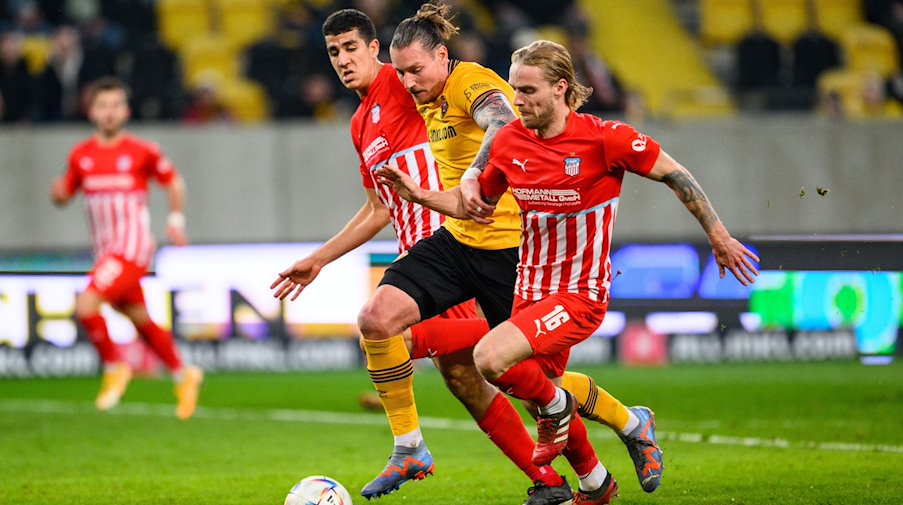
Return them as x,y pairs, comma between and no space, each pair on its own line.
387,130
113,169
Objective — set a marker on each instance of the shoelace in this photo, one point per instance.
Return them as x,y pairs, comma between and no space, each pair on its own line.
547,429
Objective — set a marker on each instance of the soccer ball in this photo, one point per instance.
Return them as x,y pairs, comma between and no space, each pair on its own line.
318,490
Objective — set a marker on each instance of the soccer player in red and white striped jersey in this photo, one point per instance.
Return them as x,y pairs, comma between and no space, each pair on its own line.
383,132
113,170
386,130
565,170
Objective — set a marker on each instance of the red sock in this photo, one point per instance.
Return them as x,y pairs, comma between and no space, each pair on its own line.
441,337
526,381
579,451
96,328
503,425
162,343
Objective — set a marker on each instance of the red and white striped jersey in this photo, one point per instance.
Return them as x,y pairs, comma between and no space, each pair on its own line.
386,128
114,180
568,188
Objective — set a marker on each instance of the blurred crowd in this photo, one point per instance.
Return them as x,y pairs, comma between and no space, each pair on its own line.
50,50
855,73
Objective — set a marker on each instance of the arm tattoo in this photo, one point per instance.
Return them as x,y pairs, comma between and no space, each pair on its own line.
690,193
491,112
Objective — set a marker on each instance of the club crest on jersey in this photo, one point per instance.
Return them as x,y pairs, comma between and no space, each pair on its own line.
572,166
444,107
374,114
124,163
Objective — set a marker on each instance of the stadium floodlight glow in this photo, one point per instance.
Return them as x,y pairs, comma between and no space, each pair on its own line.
613,324
669,323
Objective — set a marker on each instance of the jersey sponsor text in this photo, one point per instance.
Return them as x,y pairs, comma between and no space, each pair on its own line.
553,196
441,134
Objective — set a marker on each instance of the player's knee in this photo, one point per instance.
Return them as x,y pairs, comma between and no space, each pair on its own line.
86,307
487,361
373,322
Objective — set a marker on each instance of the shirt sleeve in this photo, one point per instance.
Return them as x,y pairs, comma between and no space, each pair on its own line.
366,177
493,181
160,167
628,149
473,83
72,177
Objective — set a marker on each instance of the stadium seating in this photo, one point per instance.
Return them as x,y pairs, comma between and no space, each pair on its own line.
842,85
203,57
833,17
554,33
725,22
245,99
656,57
181,21
785,20
870,48
857,95
243,22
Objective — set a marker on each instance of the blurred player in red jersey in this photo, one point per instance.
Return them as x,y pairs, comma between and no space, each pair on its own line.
386,129
113,169
565,170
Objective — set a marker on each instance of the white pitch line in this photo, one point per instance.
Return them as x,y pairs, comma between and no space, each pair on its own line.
437,423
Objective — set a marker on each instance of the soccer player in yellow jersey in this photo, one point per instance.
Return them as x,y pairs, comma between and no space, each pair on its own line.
464,105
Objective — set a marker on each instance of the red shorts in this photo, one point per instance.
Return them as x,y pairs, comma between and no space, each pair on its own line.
555,324
466,310
118,281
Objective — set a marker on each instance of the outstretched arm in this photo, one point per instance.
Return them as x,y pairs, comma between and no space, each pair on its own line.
369,220
448,202
729,253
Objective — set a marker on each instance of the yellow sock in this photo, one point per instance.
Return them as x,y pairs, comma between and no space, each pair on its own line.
392,373
595,403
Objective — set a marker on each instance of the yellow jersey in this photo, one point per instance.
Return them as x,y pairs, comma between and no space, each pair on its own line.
455,140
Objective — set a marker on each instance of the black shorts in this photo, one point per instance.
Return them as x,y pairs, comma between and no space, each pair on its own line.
439,272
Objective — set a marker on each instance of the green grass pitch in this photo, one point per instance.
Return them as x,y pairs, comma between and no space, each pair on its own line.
739,434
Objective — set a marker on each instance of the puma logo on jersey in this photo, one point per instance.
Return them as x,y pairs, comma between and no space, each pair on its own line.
521,164
539,329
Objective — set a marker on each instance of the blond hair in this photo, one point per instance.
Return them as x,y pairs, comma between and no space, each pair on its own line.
555,62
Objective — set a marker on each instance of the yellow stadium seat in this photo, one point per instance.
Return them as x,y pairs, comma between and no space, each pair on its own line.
209,56
181,21
833,17
699,102
554,33
36,50
246,100
843,87
785,20
244,22
724,22
858,94
870,48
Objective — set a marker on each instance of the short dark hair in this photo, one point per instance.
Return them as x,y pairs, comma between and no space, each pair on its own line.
345,20
109,83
